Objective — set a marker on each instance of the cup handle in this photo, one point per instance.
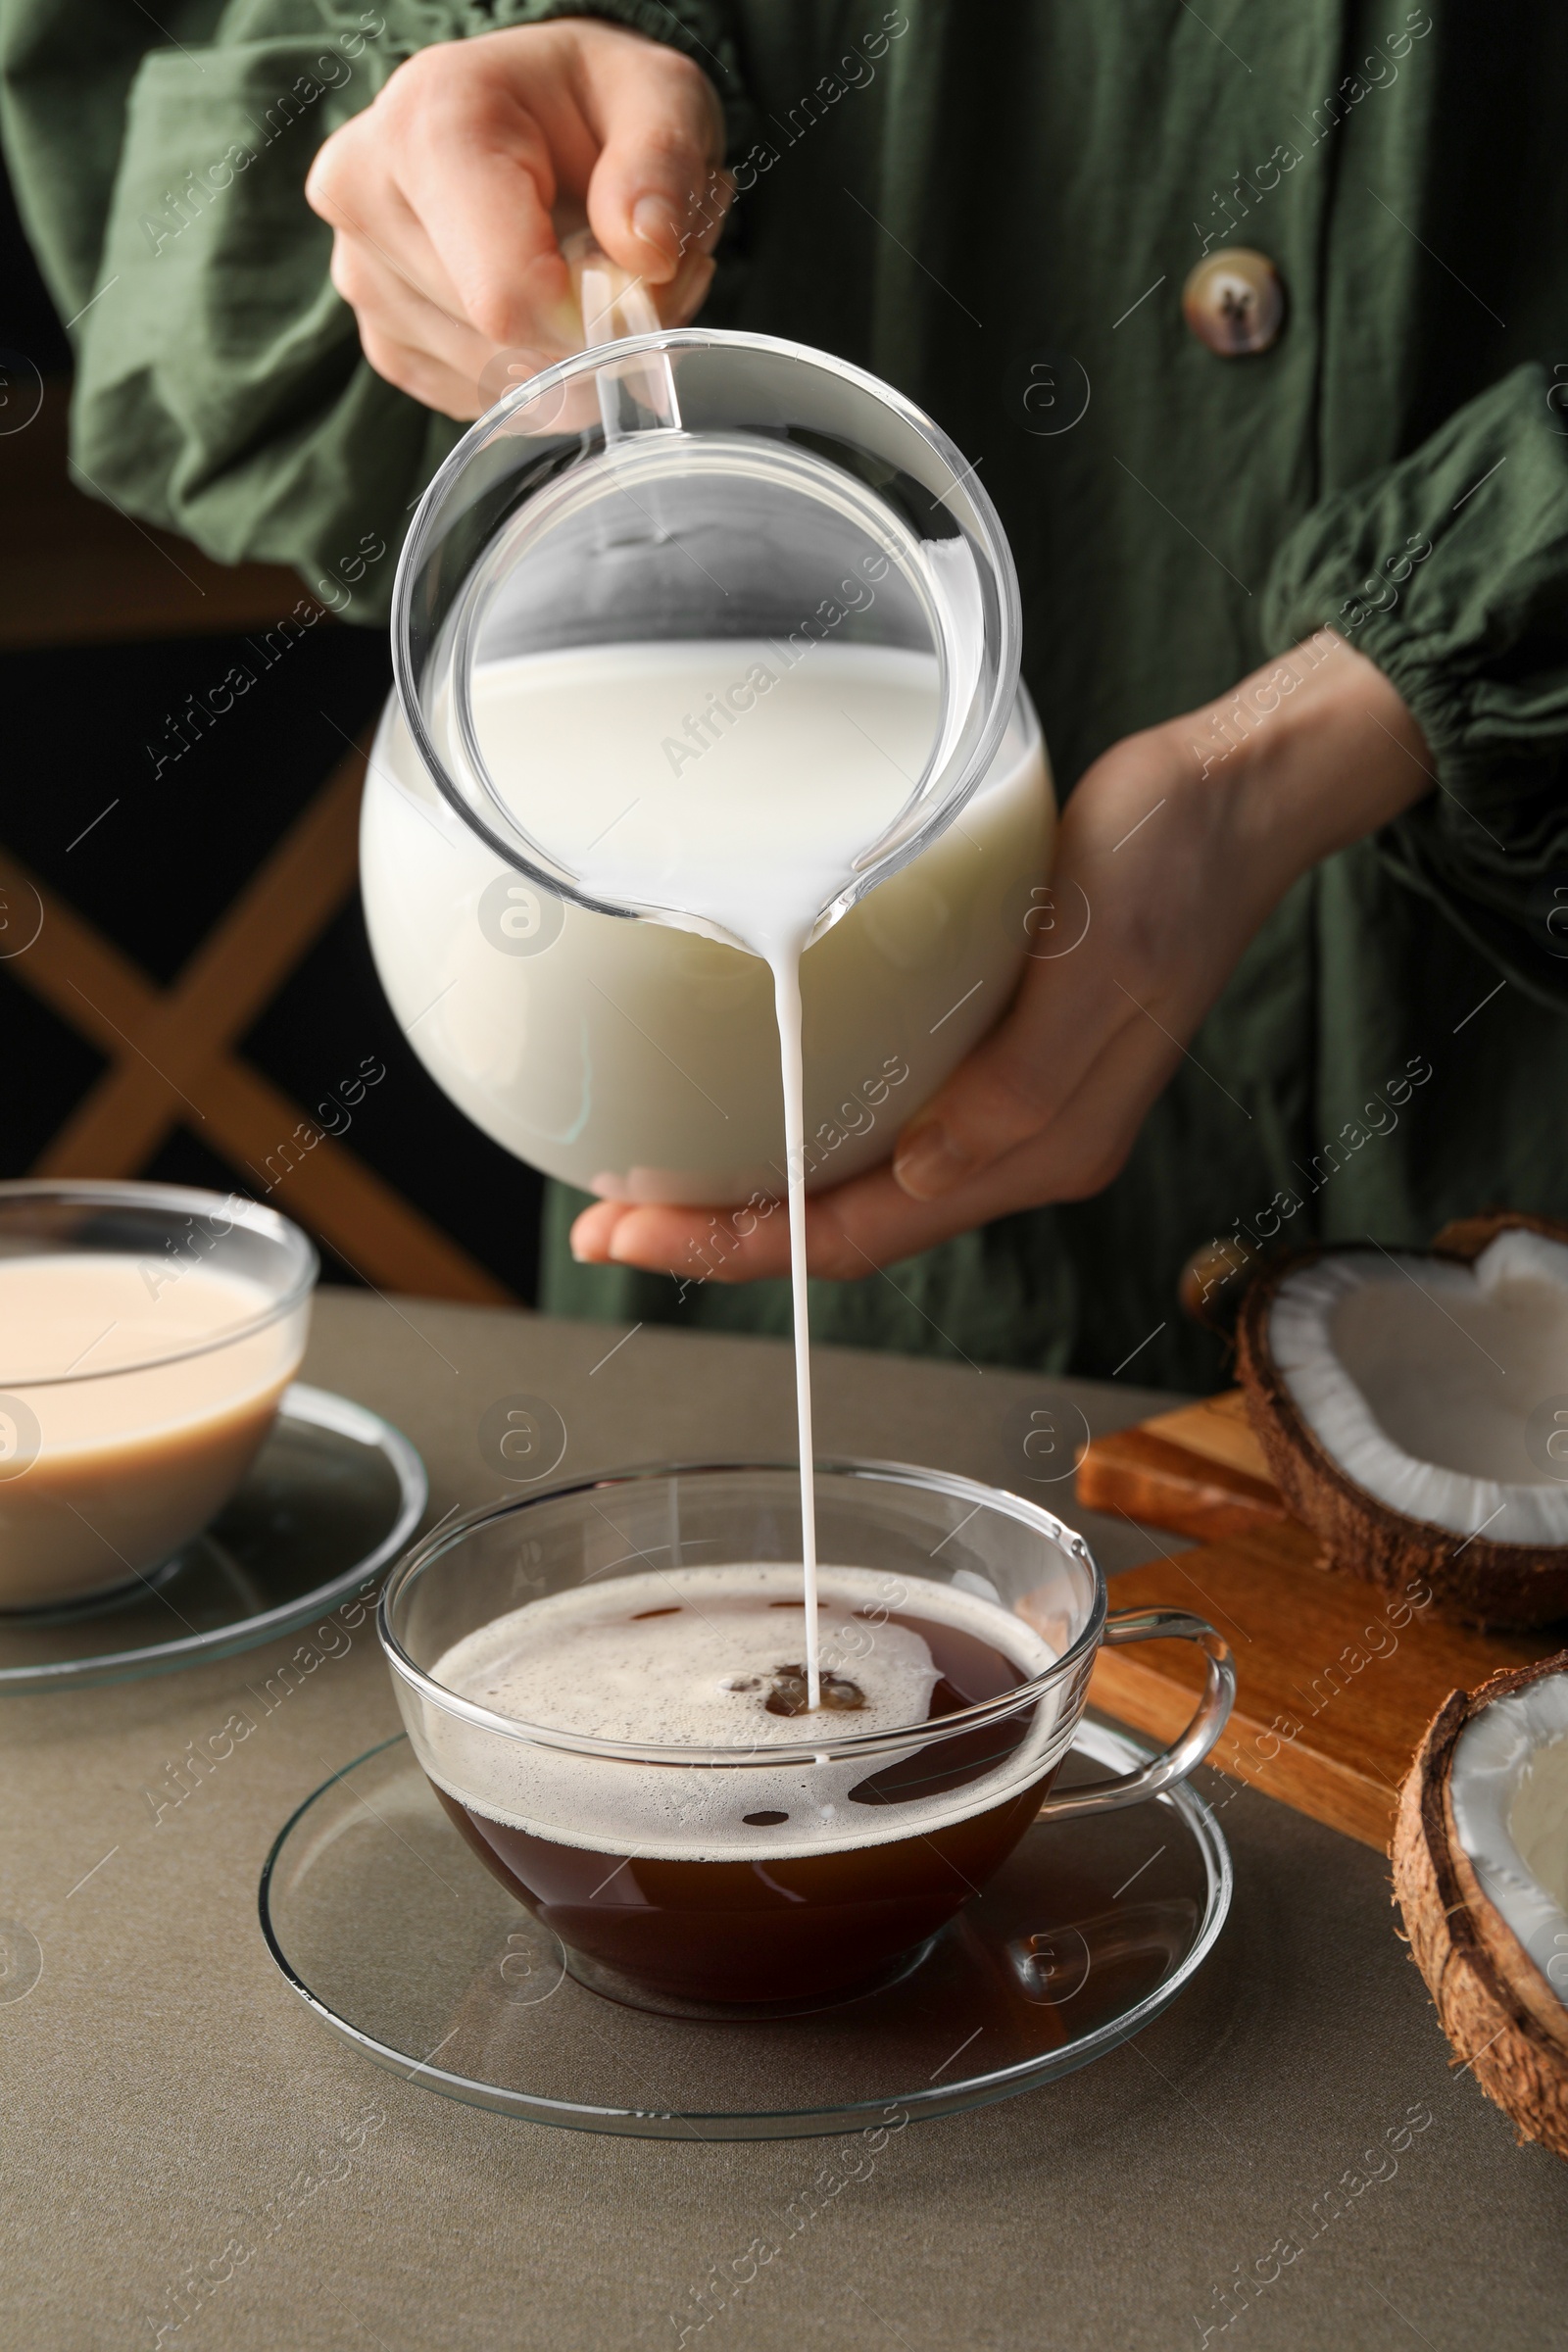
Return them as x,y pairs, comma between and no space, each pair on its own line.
1175,1762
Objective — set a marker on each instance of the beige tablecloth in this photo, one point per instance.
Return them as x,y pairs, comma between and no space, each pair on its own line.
167,2097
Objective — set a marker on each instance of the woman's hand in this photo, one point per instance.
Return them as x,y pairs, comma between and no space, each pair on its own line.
1172,852
449,196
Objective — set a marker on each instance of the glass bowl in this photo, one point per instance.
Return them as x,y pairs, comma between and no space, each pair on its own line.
147,1334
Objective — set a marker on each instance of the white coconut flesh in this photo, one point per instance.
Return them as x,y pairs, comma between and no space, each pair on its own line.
1418,1376
1508,1787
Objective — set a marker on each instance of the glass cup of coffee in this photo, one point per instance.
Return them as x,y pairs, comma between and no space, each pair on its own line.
605,1685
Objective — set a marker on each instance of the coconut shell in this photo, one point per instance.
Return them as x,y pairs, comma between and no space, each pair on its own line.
1211,1284
1472,1578
1466,1237
1502,2016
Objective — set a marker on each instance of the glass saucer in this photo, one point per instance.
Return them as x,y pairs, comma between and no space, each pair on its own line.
400,1940
330,1501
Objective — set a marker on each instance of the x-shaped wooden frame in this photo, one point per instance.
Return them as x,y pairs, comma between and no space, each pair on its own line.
172,1063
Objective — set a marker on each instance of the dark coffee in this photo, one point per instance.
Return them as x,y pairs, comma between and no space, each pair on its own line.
773,1926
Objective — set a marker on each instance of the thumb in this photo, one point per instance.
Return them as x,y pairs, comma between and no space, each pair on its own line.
657,197
993,1101
1016,1081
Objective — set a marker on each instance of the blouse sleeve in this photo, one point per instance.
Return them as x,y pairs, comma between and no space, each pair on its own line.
219,387
1450,571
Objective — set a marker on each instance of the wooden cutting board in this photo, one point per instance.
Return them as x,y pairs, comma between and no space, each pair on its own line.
1199,1470
1336,1680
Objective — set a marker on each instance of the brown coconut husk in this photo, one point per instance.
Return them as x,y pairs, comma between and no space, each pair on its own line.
1214,1281
1475,1579
1466,1237
1504,2021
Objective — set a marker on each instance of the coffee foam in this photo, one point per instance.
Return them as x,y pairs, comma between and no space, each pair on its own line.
588,1660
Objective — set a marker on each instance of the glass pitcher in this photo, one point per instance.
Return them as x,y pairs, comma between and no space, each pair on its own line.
687,584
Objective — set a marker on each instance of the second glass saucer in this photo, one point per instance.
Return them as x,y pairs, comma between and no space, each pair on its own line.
332,1497
402,1942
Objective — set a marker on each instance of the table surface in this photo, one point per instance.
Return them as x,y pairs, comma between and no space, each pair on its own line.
1293,2119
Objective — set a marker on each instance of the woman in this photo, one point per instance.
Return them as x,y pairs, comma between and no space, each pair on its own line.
1294,558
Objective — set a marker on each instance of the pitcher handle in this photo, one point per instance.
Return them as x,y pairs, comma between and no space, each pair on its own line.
636,394
1175,1762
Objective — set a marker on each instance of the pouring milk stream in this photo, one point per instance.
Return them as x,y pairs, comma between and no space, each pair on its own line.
756,832
741,785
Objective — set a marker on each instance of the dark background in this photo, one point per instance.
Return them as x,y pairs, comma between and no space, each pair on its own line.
156,874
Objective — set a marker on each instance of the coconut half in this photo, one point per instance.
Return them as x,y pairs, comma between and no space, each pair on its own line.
1481,1877
1413,1408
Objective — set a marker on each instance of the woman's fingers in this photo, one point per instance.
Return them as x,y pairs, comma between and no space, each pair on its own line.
411,370
871,1222
476,168
656,194
1114,862
592,1230
447,190
686,292
353,185
1016,1081
411,340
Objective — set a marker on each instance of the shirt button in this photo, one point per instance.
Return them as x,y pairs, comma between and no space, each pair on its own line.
1235,301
